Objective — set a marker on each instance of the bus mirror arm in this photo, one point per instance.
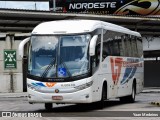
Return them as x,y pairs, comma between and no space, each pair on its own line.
93,45
21,46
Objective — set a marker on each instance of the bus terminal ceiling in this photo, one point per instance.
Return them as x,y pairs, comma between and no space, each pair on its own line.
23,21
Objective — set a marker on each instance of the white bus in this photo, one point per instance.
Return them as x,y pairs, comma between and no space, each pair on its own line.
82,61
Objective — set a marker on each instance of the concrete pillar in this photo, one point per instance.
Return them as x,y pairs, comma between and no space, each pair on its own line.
9,41
10,79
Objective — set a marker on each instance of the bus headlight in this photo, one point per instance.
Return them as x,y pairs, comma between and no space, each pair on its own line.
84,86
32,87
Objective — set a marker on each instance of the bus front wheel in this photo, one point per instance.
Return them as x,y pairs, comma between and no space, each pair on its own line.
104,97
48,106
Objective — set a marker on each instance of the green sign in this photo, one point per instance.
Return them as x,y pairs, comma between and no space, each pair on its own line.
10,60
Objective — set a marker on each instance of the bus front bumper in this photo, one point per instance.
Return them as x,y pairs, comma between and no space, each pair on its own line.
81,96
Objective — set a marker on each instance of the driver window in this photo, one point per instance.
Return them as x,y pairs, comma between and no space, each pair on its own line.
96,57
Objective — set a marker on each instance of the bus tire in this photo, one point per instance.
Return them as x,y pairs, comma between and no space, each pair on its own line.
48,106
103,96
130,98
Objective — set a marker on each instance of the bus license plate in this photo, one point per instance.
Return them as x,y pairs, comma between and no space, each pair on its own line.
57,98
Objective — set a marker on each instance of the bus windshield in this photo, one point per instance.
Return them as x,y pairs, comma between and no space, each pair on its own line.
59,56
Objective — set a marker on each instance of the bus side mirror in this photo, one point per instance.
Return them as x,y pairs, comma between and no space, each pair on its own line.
21,47
93,45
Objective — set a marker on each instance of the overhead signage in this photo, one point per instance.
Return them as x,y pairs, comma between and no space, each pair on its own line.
113,7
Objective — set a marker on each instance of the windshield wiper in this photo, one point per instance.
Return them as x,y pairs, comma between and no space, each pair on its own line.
48,68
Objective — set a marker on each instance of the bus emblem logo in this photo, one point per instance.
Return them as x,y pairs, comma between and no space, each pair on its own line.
56,91
50,84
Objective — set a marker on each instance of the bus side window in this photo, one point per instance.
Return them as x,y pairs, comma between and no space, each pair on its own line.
107,37
112,44
106,50
116,50
134,46
127,46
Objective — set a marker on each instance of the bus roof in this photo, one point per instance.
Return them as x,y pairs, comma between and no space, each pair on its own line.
77,26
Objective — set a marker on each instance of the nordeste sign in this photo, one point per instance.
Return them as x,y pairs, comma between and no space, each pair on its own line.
120,7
